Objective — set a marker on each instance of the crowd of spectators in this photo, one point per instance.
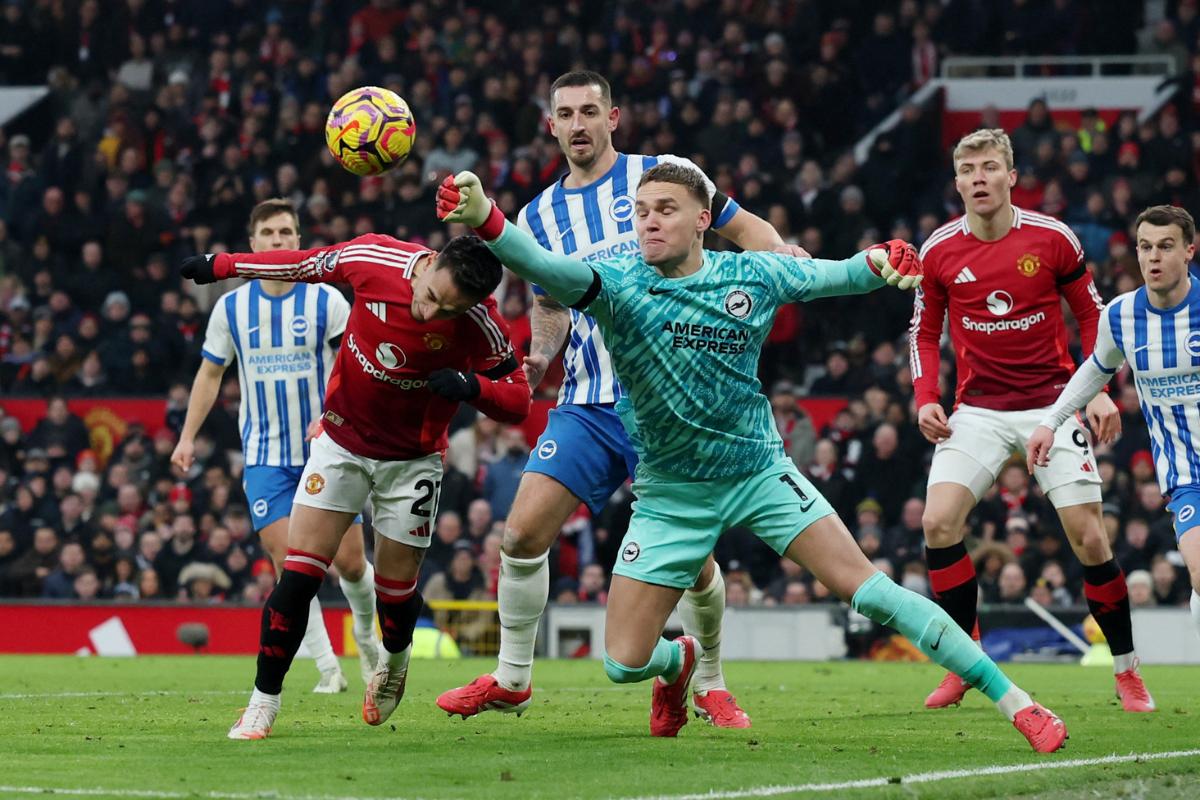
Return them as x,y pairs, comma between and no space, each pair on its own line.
167,120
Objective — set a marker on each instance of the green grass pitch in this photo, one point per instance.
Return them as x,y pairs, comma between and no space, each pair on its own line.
155,728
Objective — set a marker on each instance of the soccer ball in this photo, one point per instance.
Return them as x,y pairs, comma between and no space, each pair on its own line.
370,130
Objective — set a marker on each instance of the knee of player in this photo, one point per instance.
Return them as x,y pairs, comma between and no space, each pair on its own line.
352,571
941,529
520,542
1093,540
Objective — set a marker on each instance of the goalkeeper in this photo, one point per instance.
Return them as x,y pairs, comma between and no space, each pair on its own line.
685,328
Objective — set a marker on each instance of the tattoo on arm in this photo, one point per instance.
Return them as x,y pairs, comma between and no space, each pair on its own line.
549,323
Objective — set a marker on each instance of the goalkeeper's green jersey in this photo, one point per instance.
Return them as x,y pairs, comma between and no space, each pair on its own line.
686,349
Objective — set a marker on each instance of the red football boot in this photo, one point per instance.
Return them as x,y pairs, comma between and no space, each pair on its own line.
1042,727
484,694
718,708
668,703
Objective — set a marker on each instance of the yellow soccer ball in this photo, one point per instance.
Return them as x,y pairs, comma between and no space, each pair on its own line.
370,130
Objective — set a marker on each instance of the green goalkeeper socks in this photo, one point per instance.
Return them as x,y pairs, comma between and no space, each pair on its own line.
932,630
666,660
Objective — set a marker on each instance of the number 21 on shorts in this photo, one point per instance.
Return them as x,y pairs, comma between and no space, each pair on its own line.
426,503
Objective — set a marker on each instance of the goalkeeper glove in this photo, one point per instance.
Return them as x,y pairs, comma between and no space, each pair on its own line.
897,262
461,199
454,385
200,269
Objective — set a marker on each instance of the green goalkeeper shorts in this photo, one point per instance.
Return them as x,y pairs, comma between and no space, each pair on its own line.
676,523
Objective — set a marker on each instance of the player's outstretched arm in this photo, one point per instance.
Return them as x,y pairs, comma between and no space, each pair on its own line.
316,265
893,263
568,280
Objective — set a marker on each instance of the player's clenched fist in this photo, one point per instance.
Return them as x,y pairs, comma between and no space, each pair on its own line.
1037,449
462,199
199,269
897,262
454,385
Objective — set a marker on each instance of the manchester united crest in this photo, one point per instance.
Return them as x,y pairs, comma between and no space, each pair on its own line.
314,484
1028,265
435,341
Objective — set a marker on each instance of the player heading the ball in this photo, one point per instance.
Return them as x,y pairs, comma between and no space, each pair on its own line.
423,335
283,381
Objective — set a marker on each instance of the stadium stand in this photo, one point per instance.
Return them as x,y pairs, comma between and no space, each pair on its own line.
166,121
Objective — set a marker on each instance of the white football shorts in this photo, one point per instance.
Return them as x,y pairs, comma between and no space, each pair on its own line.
982,440
403,494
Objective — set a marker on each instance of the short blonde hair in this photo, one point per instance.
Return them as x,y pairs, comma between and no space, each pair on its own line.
982,139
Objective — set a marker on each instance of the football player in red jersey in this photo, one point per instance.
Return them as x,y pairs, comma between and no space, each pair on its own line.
423,335
1000,272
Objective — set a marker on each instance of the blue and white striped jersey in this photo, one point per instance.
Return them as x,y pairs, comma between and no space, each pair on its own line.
590,223
282,345
1162,347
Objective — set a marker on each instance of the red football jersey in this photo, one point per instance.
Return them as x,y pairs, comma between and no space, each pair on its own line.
377,403
1006,321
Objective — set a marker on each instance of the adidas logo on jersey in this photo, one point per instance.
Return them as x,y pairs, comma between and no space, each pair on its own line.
965,276
379,310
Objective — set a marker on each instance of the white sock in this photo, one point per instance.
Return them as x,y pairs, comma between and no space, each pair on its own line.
1013,701
1196,609
522,592
399,659
1124,662
258,698
702,613
360,594
316,639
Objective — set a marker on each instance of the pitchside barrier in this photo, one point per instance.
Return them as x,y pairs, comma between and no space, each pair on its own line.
455,628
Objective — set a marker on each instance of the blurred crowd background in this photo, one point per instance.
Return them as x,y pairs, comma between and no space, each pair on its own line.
167,121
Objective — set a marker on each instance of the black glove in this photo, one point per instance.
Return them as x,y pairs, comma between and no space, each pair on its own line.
199,269
454,385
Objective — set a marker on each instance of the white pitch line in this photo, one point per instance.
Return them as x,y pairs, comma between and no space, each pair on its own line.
716,794
922,777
